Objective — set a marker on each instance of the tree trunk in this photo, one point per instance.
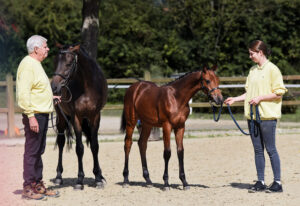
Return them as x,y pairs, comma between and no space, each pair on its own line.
90,26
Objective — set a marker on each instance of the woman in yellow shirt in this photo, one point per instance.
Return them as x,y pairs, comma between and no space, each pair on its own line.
264,87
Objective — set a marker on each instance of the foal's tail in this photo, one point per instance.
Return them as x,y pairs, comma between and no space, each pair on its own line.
123,122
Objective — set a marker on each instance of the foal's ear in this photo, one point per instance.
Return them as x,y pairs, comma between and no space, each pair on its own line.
214,68
205,68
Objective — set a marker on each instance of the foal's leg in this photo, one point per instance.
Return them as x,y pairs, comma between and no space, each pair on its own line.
79,152
95,149
167,153
127,147
180,152
143,147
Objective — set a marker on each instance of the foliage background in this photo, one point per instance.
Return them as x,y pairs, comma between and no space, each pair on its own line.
162,36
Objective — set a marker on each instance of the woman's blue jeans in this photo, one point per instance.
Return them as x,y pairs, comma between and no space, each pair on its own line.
265,139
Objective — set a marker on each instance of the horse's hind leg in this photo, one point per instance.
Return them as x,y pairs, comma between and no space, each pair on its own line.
143,147
127,147
180,153
100,180
167,153
79,152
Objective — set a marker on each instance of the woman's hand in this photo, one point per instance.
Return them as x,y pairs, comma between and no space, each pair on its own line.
255,101
229,100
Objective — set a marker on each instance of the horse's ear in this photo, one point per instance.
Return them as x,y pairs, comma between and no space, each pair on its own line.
214,68
58,45
205,68
75,48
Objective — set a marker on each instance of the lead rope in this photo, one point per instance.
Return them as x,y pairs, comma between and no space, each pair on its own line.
253,127
65,117
214,112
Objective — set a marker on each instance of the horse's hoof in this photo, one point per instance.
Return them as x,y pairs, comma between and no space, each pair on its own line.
167,188
104,182
125,185
186,187
100,185
149,185
78,187
58,181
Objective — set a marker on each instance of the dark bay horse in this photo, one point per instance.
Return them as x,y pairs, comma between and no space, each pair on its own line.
83,87
167,107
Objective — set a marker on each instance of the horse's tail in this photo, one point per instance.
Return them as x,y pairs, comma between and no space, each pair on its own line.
69,137
123,122
86,130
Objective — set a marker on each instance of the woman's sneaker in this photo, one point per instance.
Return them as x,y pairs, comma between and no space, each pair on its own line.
257,187
274,187
28,193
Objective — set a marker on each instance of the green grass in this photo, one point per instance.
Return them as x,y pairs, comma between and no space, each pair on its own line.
2,97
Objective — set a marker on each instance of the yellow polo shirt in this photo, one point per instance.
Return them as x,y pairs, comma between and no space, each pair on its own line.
264,80
33,90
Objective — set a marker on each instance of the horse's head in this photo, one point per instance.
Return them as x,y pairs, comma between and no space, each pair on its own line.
65,67
210,84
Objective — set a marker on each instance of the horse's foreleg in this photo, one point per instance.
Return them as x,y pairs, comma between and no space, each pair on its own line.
179,133
167,153
143,147
100,180
79,152
127,147
60,140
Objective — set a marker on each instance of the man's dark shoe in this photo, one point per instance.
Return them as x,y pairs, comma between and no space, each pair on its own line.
28,193
40,188
257,187
274,187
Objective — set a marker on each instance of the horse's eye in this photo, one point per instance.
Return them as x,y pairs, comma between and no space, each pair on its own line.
207,82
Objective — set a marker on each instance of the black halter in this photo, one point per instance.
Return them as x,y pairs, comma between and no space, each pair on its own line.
66,79
72,70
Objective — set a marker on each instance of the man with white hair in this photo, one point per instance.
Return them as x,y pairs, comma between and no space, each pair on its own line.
35,98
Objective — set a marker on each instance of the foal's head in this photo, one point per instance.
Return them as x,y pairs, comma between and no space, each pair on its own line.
210,85
65,67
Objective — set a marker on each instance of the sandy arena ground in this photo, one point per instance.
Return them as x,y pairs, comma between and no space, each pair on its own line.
219,171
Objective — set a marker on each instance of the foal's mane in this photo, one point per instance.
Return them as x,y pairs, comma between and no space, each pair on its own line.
178,78
184,75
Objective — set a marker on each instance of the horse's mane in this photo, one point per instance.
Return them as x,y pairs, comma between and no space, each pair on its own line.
81,50
184,75
178,78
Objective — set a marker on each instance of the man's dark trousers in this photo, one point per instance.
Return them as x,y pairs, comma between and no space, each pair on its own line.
35,144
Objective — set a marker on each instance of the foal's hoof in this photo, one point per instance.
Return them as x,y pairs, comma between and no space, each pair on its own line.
58,181
78,187
186,187
100,185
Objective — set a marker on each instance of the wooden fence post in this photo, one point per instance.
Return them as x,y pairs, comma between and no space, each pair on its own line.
147,76
10,106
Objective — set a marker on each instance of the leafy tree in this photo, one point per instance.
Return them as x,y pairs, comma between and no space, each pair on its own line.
162,36
57,20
